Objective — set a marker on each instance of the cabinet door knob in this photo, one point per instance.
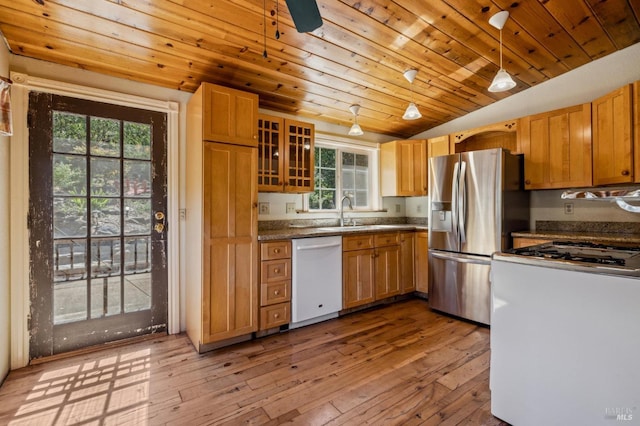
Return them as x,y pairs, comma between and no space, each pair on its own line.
528,182
625,173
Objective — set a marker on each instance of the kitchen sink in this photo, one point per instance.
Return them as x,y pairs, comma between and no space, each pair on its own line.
347,228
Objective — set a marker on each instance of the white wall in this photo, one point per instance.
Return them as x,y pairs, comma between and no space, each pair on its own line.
5,244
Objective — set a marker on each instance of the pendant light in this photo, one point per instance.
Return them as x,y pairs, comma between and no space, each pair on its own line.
355,130
412,112
502,81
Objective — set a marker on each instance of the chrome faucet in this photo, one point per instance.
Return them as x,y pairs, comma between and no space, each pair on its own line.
348,198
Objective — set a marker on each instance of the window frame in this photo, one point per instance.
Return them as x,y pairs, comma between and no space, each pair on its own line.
369,149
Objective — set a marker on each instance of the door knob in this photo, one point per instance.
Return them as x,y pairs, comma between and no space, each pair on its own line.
159,226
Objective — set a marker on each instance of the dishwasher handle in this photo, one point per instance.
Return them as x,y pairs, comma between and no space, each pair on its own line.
318,246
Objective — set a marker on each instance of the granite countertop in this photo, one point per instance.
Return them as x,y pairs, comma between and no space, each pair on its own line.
582,236
326,231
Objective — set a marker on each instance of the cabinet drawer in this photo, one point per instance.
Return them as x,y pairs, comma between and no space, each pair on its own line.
276,292
357,242
275,270
381,240
275,315
275,250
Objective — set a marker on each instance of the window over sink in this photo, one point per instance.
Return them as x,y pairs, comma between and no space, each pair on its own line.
342,169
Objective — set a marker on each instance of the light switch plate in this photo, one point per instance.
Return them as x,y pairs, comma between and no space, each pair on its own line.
263,208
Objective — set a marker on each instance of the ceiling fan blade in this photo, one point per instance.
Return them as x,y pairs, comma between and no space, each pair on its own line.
305,14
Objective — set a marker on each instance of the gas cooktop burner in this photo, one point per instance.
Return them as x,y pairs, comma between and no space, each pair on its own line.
567,254
586,244
555,254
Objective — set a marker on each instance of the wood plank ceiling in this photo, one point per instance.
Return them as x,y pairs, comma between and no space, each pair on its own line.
357,56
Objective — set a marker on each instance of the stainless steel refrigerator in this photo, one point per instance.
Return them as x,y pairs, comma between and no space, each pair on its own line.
476,200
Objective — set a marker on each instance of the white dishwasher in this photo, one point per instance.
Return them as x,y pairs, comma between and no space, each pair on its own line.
316,289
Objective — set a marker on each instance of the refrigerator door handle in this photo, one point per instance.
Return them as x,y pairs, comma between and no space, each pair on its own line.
454,199
462,258
462,202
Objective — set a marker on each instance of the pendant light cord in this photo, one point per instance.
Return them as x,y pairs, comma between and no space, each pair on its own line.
500,48
264,27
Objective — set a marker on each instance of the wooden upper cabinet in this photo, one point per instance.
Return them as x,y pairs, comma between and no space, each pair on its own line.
498,135
613,138
403,168
299,156
285,155
229,115
438,146
270,153
557,148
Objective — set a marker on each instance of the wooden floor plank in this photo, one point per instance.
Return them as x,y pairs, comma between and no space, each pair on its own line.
397,364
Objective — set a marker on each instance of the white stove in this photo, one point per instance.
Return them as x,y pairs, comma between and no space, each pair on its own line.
565,335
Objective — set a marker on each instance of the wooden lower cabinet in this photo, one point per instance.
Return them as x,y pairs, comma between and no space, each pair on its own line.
387,271
407,262
636,129
275,284
275,315
422,261
371,268
357,277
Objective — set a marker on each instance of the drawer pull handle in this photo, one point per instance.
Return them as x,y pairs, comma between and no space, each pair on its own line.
276,292
276,316
277,270
625,173
276,251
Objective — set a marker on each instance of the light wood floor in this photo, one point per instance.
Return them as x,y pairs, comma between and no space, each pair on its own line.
399,364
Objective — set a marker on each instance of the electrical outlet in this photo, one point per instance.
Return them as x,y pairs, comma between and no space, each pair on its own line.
263,208
291,207
419,208
397,208
568,208
183,214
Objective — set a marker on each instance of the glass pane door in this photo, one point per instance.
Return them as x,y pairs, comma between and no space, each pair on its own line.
99,174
